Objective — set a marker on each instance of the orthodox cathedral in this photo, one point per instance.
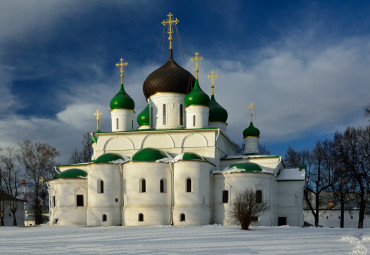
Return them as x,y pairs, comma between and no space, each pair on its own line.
178,168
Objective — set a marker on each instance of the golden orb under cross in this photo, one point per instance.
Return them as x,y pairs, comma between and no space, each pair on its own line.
212,77
196,60
170,22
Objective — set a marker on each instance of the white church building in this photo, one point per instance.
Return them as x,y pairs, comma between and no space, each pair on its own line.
178,168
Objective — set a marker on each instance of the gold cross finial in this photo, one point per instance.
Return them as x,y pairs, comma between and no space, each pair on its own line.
251,107
97,114
212,77
197,60
170,22
121,67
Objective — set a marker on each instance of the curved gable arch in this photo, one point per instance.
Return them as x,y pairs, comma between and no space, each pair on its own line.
194,140
118,143
158,141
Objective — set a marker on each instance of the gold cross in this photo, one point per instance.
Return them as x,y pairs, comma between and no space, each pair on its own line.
212,77
197,60
97,114
170,22
251,107
121,68
42,181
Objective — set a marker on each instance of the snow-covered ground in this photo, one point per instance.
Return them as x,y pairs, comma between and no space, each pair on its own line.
182,240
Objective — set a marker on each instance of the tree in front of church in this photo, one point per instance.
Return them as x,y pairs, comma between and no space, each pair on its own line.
37,159
247,207
11,178
85,154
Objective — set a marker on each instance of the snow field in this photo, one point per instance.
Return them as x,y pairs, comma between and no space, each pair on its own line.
210,239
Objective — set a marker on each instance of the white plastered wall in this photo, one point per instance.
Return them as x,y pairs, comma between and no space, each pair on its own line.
66,211
251,145
195,205
154,205
221,125
238,182
172,102
109,202
122,119
197,116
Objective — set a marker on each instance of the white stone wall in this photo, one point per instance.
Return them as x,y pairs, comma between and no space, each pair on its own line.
154,205
331,218
66,211
122,119
110,201
195,205
197,116
289,200
251,145
172,101
238,182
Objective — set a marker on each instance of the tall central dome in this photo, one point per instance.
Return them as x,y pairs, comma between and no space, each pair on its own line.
168,78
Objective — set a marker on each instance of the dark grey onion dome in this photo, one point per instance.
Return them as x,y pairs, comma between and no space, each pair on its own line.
168,78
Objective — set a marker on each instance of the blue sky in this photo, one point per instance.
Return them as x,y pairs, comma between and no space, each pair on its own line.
305,64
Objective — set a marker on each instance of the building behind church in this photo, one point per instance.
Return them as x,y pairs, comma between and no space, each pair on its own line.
178,168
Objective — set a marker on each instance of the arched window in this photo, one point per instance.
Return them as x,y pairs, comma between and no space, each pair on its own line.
193,120
104,217
132,124
225,196
162,186
140,217
182,217
100,188
188,185
117,123
53,201
142,185
181,115
151,116
164,114
259,196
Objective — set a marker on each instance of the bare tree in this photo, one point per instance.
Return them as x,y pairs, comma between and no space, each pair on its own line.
2,196
354,154
247,208
38,161
12,178
86,152
263,150
367,110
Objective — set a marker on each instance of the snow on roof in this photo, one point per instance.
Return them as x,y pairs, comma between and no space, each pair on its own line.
291,174
121,161
248,156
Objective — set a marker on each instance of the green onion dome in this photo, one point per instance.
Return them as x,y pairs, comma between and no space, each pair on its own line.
143,117
71,174
192,156
245,167
122,100
196,96
216,112
107,157
149,154
251,131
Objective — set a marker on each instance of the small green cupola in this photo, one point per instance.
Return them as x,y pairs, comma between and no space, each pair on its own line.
122,100
149,154
197,96
94,139
251,131
143,117
216,112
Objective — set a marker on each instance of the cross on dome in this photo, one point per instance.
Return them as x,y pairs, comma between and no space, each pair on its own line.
170,22
196,60
251,107
121,67
212,77
97,114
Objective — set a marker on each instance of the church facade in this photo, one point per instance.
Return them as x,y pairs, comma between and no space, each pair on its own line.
178,168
